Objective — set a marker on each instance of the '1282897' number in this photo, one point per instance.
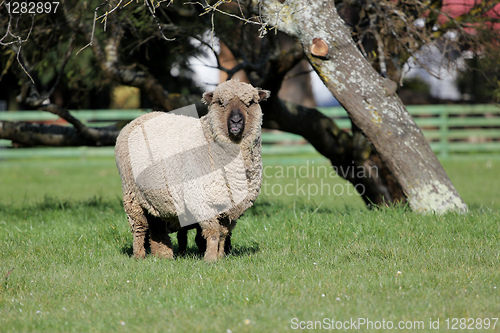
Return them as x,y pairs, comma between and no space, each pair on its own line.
471,323
39,7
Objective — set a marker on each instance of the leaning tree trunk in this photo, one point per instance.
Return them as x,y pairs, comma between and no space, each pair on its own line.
369,99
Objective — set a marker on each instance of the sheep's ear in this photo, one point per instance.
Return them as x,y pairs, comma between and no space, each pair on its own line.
207,97
264,94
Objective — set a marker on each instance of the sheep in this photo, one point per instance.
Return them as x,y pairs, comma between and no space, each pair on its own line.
179,172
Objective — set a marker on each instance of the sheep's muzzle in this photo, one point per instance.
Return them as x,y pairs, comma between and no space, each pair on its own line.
236,124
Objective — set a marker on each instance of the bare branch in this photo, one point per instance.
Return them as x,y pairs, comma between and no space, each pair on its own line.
93,29
64,114
104,18
63,66
153,14
18,40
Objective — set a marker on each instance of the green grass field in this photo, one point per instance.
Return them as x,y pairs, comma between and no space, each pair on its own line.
302,258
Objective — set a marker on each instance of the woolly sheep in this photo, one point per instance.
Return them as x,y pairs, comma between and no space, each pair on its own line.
175,168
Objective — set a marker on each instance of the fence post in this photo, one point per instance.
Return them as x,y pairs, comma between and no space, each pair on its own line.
444,132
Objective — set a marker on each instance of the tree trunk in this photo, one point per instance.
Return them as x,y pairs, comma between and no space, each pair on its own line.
369,99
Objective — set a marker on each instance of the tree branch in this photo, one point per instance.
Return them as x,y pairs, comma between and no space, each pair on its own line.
35,134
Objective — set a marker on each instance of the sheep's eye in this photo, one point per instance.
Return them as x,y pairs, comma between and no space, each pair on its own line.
221,103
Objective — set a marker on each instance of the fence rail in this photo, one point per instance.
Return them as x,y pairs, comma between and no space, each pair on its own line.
450,129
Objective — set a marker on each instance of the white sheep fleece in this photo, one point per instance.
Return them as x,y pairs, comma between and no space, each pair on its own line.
205,178
185,170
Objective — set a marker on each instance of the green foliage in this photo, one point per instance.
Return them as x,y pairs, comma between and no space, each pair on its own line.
53,38
66,264
417,85
481,79
497,91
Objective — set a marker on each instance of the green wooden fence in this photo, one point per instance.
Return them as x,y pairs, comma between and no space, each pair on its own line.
450,129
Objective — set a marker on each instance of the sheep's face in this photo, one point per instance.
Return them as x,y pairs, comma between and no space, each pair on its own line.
234,110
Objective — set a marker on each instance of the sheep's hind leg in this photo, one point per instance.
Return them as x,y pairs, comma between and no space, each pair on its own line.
161,245
182,241
227,245
200,241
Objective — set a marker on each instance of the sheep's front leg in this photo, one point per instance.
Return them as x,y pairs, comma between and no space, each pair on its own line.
211,234
139,232
161,245
212,251
138,224
226,225
222,241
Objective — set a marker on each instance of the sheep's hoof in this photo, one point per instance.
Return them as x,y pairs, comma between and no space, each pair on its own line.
163,253
140,255
212,248
210,256
210,261
221,255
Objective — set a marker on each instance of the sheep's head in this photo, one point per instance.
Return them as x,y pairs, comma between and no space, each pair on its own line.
234,110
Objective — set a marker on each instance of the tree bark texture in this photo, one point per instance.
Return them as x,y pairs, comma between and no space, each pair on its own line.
369,99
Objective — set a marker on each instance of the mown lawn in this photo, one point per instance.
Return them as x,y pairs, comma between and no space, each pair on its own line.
300,258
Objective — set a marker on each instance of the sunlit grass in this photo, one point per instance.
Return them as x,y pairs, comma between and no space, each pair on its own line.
65,260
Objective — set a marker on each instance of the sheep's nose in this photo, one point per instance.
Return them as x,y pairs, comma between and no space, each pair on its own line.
235,124
235,116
